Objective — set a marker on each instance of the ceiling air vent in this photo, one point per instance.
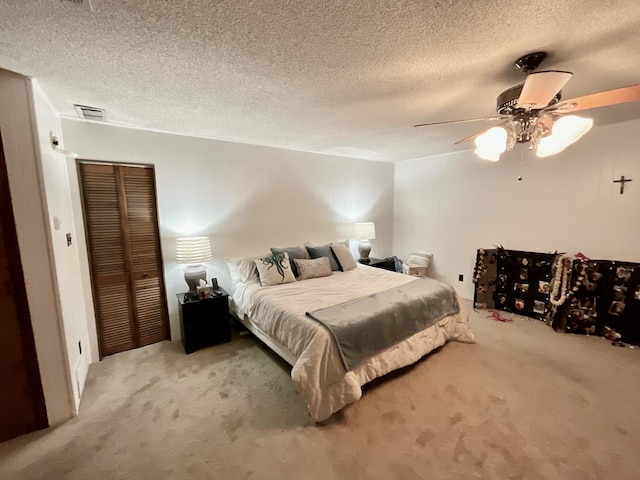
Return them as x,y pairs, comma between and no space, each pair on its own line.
91,113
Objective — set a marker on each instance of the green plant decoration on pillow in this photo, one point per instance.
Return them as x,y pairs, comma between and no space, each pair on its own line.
277,261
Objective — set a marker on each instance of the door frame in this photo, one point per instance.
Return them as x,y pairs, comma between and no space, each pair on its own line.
20,293
80,161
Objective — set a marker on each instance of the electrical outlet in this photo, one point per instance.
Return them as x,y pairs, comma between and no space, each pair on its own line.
461,278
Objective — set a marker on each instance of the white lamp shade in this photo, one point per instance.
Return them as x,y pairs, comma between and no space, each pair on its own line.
193,250
491,144
566,130
364,231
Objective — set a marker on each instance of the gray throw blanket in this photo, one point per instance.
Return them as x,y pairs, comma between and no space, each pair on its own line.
367,325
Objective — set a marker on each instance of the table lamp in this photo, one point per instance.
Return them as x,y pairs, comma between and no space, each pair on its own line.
193,251
364,231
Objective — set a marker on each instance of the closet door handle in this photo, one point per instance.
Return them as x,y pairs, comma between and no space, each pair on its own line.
145,274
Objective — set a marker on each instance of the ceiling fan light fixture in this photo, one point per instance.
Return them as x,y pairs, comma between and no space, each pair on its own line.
566,130
491,144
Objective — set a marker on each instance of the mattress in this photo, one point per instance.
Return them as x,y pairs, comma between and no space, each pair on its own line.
278,313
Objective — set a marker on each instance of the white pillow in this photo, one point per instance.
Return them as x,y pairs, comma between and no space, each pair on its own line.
243,269
274,269
419,259
318,267
234,270
343,254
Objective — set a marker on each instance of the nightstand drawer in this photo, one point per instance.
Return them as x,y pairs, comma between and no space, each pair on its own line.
204,322
206,332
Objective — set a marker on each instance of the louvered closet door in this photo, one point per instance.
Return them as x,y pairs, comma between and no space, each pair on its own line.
111,292
146,275
122,233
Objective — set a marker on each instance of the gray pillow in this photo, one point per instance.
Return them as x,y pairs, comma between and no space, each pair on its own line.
294,252
324,251
317,267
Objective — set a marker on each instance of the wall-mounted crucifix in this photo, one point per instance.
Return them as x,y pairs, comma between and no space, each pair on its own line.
622,181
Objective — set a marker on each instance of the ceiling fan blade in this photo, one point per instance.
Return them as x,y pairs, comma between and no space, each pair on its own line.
600,99
470,137
473,137
540,87
486,119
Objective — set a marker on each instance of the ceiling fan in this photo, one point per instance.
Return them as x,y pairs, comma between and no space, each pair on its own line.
533,112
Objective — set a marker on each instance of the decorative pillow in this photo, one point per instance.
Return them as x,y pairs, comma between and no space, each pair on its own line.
243,269
345,259
324,251
318,267
419,259
275,269
294,252
234,270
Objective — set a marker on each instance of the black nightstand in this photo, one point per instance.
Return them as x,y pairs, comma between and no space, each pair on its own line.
204,322
384,263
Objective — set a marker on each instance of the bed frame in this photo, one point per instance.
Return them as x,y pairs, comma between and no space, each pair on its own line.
269,342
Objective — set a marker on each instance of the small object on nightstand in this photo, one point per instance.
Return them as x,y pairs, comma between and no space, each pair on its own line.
204,321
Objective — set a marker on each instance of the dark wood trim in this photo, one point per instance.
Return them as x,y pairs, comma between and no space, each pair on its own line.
160,257
20,293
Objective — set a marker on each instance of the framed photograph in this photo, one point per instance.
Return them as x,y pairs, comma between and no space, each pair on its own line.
524,274
214,284
619,293
624,273
538,306
617,308
543,287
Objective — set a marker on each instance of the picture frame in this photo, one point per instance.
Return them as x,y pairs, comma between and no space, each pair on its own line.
214,284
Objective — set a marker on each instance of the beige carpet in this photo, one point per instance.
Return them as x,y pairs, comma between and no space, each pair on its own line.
523,403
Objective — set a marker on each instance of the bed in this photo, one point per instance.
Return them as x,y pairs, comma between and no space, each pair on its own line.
277,316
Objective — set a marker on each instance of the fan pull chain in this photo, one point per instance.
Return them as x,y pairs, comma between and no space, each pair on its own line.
521,163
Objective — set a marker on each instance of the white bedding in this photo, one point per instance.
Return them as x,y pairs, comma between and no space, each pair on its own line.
318,373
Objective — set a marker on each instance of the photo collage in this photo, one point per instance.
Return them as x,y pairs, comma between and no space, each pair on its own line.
605,299
523,283
608,301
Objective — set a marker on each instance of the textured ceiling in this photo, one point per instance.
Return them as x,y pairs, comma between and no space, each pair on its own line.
346,77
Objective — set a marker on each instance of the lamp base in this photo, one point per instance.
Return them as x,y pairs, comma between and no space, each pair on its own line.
364,248
193,274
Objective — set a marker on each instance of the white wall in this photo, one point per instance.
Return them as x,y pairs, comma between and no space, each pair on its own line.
246,198
453,204
69,285
17,126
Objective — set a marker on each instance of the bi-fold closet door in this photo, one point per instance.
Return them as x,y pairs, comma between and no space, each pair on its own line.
121,224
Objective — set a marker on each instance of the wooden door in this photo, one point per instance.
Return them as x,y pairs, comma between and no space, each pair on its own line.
124,251
22,406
